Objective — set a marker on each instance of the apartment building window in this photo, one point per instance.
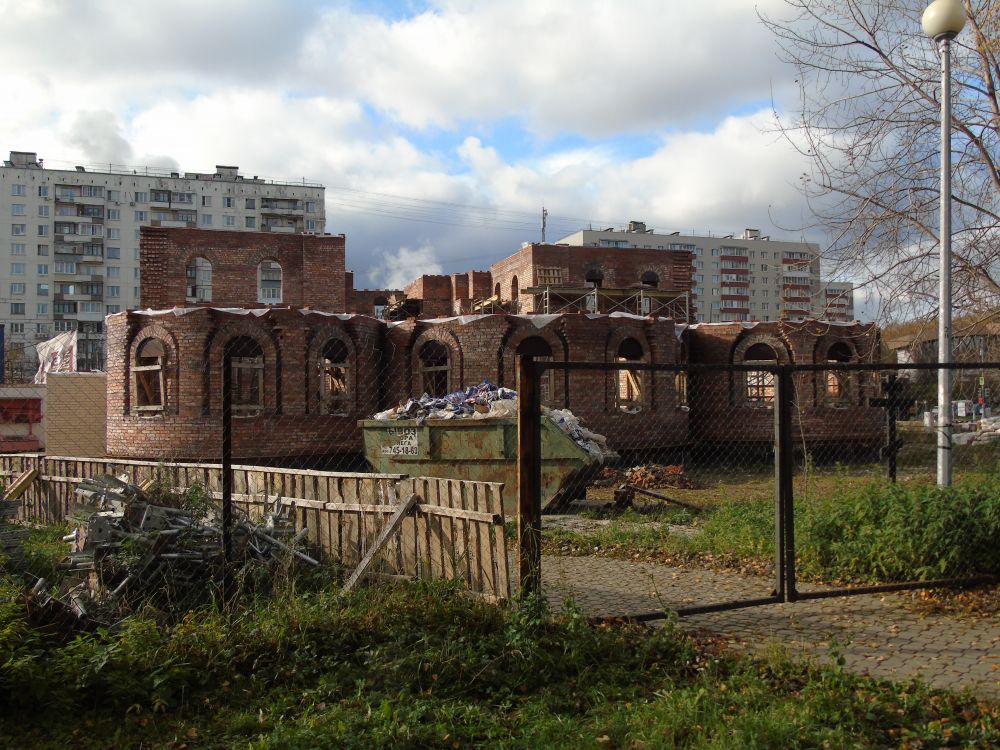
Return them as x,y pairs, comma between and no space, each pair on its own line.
17,287
199,280
113,252
162,216
763,266
17,248
65,266
43,230
206,201
43,191
251,222
142,197
17,328
269,282
17,308
183,198
114,195
90,307
251,203
311,225
715,252
114,214
699,277
187,216
17,189
142,215
43,212
93,288
18,230
66,288
114,233
93,250
92,191
113,272
18,209
135,274
228,202
61,326
42,290
310,207
17,269
112,309
65,227
206,220
135,292
135,254
159,196
699,264
113,291
229,221
42,308
42,249
43,269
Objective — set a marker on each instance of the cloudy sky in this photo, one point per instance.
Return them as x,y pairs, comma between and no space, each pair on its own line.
441,127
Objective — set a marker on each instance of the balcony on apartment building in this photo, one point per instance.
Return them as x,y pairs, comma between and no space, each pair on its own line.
281,206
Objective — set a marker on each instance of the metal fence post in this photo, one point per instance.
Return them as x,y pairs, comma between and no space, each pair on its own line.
227,473
784,468
529,475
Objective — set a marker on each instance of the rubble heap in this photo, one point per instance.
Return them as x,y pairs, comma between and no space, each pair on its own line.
488,401
126,548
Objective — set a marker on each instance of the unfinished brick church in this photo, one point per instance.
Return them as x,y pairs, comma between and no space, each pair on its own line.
311,359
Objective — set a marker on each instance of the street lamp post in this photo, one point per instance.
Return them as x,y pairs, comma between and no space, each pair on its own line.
942,21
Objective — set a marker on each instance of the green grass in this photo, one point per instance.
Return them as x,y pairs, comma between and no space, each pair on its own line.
850,526
424,666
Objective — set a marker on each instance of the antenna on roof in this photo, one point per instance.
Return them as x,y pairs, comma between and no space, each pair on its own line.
545,215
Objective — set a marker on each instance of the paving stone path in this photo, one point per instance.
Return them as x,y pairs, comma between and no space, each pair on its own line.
878,634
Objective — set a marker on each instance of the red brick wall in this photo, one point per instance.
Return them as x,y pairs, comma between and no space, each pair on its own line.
312,267
721,413
363,301
621,268
385,371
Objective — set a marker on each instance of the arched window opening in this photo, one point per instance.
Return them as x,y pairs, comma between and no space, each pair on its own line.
334,367
435,368
496,290
539,348
148,370
838,382
760,383
247,376
515,302
269,282
629,393
380,304
199,280
649,278
594,278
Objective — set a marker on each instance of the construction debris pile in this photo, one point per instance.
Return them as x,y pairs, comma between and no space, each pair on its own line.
126,549
646,476
488,401
476,402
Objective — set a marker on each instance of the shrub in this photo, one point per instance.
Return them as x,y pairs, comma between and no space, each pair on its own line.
901,532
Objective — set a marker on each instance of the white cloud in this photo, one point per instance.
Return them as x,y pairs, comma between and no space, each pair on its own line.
394,270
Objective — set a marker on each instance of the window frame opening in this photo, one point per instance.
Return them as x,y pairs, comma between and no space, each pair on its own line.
148,377
334,379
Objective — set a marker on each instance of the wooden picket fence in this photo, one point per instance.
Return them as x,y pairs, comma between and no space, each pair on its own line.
455,529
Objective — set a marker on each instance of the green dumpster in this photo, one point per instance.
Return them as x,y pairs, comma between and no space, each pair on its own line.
478,449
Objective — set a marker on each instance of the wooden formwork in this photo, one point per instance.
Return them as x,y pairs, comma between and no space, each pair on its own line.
454,531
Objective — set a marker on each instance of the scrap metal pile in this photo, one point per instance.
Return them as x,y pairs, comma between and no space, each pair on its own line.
488,401
126,549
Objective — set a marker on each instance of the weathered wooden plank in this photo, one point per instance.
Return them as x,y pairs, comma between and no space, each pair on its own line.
17,488
500,531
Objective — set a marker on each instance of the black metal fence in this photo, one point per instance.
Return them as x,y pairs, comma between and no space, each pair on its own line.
827,442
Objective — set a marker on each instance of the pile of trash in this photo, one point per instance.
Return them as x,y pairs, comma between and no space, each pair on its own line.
647,476
659,475
476,402
488,401
126,549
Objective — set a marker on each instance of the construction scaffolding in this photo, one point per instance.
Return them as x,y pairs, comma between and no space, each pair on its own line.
670,303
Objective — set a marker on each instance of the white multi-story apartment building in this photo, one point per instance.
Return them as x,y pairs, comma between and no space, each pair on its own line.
749,277
69,238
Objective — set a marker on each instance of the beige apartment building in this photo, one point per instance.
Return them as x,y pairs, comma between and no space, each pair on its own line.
69,238
740,278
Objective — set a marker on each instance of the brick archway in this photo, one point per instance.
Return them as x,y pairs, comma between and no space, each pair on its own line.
456,378
170,371
226,331
319,338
